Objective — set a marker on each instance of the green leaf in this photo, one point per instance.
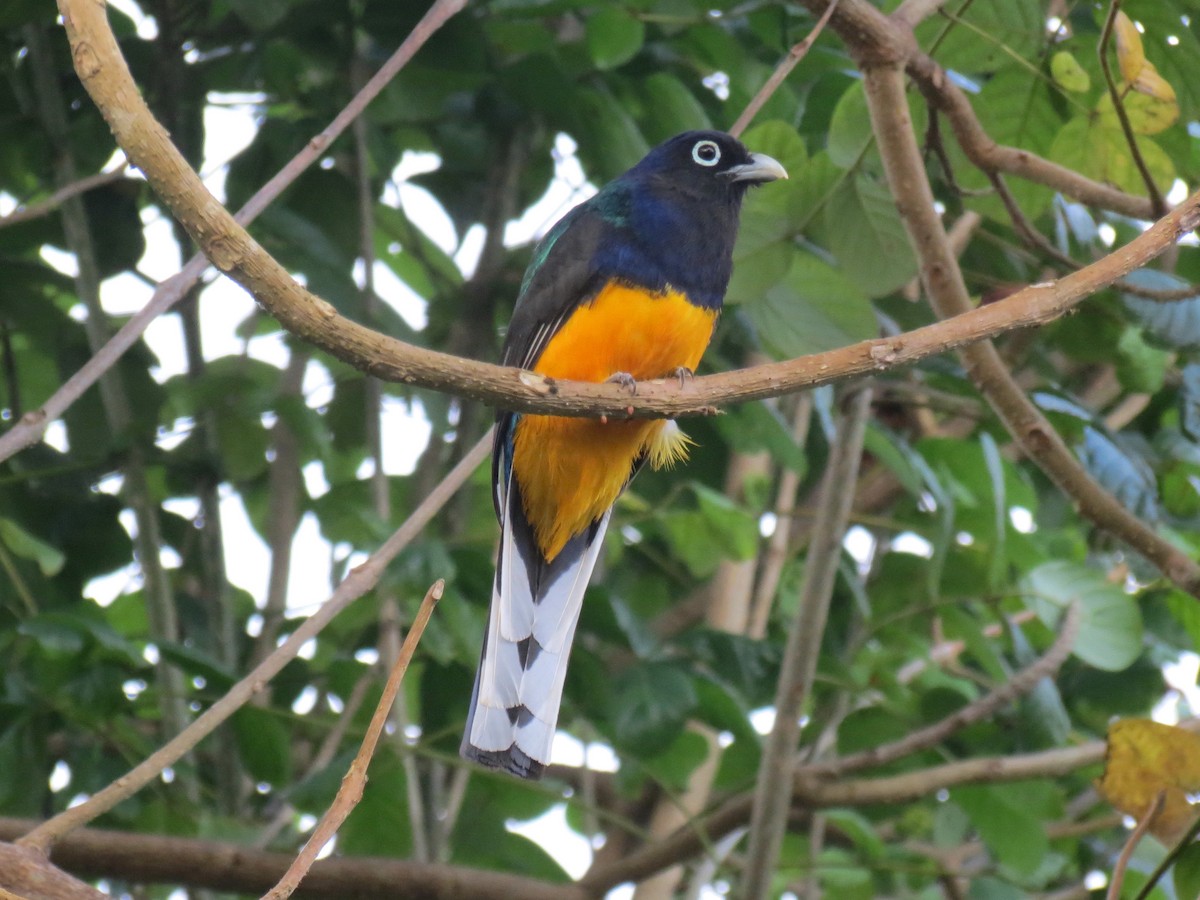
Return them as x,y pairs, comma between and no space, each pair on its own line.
49,559
1122,471
1186,873
670,108
1068,73
614,37
850,128
863,224
1140,367
264,745
1012,833
990,36
1110,633
1091,146
652,701
813,307
780,140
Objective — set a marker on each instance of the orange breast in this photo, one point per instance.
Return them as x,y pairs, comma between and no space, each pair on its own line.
572,470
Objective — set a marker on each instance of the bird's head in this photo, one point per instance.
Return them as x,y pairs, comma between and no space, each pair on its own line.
708,164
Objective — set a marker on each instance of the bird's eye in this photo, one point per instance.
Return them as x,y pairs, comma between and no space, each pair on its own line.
706,153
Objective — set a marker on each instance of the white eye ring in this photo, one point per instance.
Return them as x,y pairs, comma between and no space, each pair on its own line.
702,149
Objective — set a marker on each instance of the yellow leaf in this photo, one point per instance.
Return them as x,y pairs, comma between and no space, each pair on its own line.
1147,114
1130,55
1150,83
1068,73
1145,759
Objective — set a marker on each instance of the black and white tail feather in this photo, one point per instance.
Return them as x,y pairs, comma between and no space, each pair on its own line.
531,623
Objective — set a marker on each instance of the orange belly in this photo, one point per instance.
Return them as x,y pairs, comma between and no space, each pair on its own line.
572,470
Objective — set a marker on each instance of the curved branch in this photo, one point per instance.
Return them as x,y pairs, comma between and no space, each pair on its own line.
100,66
875,38
354,781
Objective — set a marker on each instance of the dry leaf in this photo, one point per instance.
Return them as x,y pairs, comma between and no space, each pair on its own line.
1145,758
1130,55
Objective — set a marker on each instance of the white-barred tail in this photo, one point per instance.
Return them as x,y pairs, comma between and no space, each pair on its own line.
531,624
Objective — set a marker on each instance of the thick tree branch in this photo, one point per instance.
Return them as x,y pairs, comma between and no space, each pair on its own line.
99,64
150,859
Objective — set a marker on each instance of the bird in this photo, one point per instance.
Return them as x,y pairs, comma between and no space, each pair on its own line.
626,287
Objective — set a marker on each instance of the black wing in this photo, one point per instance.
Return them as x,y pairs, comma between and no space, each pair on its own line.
561,277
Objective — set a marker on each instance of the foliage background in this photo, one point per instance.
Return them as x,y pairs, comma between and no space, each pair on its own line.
962,553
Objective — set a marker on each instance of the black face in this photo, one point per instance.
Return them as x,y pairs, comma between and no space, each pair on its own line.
710,162
695,153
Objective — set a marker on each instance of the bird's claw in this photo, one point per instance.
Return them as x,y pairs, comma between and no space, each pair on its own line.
625,380
684,374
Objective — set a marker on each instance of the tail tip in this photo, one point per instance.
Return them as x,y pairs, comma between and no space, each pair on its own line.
514,761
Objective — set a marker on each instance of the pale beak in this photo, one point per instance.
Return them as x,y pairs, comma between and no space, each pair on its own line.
761,168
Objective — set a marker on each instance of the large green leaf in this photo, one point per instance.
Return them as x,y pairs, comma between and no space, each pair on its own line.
812,307
1013,833
1110,632
863,224
613,36
651,703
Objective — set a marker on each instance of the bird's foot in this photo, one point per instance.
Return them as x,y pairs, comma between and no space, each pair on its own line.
684,374
625,380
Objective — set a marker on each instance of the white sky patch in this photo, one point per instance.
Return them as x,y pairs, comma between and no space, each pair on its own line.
550,830
60,260
60,778
568,750
56,436
860,544
1022,519
763,720
912,543
568,189
147,27
230,124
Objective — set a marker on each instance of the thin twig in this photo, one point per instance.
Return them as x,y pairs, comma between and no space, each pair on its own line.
360,580
782,71
351,790
1157,204
1021,683
1169,860
64,193
776,554
1135,837
771,804
328,749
